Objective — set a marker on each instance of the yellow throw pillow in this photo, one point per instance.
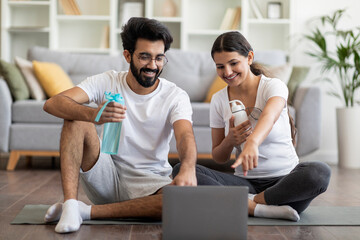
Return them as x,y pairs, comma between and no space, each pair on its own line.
52,78
216,86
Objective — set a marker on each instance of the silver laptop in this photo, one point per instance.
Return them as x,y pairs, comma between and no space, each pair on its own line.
205,212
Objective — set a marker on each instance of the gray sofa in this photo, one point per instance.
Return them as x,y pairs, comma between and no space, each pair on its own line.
25,129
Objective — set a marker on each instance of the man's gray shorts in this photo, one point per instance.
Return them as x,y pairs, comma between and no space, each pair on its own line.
110,181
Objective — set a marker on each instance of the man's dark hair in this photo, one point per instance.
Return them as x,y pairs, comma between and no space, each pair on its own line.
149,29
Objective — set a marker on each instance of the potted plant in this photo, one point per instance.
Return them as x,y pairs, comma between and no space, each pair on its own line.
338,51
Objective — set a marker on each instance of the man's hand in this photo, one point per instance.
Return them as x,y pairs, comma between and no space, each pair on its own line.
237,135
185,177
113,112
248,157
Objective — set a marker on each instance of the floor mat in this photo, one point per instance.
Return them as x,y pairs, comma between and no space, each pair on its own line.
312,216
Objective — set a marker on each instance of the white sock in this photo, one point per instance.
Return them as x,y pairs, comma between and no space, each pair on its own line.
71,218
54,212
251,196
271,211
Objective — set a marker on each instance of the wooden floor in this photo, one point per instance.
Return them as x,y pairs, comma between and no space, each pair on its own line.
41,184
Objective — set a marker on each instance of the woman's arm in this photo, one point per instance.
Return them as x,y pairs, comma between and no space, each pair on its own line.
222,146
249,156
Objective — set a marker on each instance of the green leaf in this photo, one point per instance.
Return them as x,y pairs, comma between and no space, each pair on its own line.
357,61
334,94
343,52
318,38
322,79
342,59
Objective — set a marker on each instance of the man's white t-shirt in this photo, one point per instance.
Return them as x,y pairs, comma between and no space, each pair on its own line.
277,155
147,129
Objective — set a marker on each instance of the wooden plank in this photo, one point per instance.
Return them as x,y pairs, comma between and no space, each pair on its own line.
44,187
16,154
19,190
305,232
264,232
9,231
344,233
143,232
13,160
38,153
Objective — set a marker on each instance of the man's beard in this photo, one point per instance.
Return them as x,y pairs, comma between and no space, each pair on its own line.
142,80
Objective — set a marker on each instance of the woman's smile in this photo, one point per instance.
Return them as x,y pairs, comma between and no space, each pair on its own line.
231,77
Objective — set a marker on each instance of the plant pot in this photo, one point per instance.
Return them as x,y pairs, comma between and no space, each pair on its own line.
348,132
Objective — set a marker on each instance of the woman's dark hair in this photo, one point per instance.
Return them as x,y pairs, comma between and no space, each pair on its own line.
149,29
235,42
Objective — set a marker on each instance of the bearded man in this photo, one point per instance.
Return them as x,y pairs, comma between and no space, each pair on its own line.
129,183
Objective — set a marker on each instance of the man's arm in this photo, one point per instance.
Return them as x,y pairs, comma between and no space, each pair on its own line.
186,146
69,105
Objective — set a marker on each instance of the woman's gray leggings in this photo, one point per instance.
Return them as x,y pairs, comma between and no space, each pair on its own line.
297,189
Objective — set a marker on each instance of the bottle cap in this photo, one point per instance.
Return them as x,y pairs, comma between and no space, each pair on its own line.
236,107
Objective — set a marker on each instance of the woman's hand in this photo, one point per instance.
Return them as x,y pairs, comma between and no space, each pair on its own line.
237,135
113,112
270,114
248,157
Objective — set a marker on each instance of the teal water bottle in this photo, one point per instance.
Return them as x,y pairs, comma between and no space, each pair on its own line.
112,130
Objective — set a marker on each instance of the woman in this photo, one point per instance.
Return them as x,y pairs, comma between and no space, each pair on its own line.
279,186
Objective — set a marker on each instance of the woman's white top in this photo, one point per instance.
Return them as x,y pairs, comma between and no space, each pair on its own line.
277,155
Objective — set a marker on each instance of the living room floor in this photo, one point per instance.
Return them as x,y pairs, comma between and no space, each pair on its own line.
41,184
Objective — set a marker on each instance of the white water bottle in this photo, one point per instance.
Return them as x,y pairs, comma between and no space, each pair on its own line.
238,110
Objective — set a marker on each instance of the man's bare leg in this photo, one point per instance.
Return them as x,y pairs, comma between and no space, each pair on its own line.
147,207
79,147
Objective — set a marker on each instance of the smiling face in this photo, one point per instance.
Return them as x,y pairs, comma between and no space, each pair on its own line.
145,72
146,77
232,67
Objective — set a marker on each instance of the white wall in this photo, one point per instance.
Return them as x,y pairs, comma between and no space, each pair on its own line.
304,11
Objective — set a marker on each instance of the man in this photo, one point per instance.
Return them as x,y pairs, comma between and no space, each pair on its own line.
127,184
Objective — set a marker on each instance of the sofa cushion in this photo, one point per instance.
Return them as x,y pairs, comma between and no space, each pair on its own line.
36,136
216,86
298,75
77,64
52,78
5,115
202,139
201,114
194,72
14,80
282,72
31,111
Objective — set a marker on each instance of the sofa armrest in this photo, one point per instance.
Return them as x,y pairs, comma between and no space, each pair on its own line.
5,115
307,103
